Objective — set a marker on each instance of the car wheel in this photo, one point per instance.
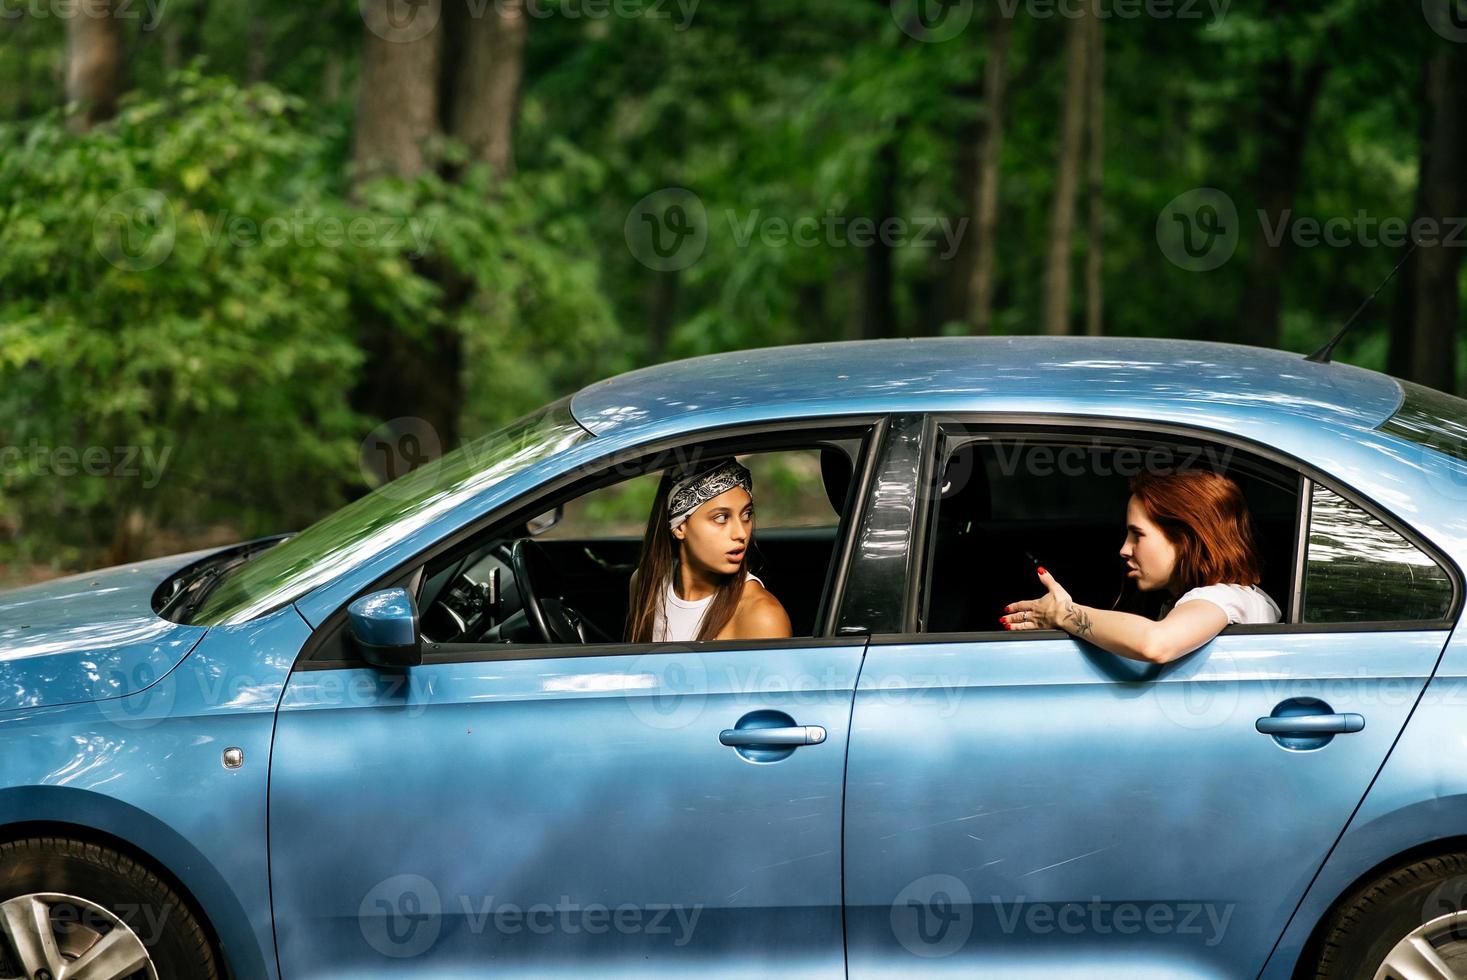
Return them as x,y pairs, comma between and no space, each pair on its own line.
68,908
1407,924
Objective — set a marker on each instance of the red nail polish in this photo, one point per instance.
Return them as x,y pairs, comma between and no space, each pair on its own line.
1042,571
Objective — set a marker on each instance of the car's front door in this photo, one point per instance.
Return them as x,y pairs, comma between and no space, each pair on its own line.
1030,805
531,810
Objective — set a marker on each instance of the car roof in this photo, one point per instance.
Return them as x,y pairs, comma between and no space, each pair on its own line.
1135,377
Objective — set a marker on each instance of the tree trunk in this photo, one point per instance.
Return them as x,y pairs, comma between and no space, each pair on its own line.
93,63
397,102
1442,198
1095,96
397,112
990,152
486,81
878,306
1056,315
1286,100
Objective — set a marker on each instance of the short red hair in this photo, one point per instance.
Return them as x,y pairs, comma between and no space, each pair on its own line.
1204,516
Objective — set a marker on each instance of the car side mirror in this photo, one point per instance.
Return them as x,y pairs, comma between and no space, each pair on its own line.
385,628
545,521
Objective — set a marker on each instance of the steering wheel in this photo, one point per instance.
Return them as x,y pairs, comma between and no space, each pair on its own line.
555,621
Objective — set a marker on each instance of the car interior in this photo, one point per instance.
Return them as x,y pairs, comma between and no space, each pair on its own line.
1006,498
522,585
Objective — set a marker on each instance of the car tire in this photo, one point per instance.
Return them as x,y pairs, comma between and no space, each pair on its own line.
87,891
1425,899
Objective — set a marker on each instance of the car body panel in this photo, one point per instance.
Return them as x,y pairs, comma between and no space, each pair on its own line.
49,655
1419,799
1049,775
147,769
1186,377
425,822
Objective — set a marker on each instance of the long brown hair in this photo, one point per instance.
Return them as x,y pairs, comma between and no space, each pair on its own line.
659,557
1204,516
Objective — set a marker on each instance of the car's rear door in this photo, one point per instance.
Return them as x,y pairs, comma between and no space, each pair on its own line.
1029,805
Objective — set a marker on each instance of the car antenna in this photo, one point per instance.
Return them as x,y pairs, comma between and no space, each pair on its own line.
1323,355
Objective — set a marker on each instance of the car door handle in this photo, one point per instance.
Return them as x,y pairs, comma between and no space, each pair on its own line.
797,735
1310,724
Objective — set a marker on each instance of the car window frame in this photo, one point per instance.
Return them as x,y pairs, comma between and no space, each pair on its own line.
323,650
961,424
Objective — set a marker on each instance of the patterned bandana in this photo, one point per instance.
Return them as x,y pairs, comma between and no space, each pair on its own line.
692,492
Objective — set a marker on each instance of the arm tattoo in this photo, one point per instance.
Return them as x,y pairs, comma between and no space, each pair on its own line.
1079,618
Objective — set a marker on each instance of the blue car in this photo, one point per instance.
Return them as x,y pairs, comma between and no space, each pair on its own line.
409,740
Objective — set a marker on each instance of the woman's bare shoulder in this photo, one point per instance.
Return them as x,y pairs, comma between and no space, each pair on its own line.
760,614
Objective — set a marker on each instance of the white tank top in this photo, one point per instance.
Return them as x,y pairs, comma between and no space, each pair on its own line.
679,619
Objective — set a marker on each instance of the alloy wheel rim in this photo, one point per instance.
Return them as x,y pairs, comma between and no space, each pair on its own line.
51,936
1436,950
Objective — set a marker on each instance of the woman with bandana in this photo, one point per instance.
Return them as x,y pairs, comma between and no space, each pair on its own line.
692,582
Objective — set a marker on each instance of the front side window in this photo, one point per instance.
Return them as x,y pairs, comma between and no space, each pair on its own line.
1359,570
504,586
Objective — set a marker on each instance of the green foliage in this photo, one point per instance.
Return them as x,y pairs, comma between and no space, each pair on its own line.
187,280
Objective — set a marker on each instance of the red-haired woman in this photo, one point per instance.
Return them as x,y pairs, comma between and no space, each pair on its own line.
1187,533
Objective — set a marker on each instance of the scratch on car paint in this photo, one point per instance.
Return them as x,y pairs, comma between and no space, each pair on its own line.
780,864
971,816
1066,861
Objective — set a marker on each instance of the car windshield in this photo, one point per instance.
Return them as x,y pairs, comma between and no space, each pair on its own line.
387,515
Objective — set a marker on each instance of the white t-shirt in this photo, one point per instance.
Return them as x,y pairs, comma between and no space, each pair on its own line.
679,619
1242,603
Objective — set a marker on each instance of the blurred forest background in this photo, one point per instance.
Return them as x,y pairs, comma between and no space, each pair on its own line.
236,238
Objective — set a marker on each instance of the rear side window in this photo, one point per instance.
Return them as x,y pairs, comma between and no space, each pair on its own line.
1359,570
1431,418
